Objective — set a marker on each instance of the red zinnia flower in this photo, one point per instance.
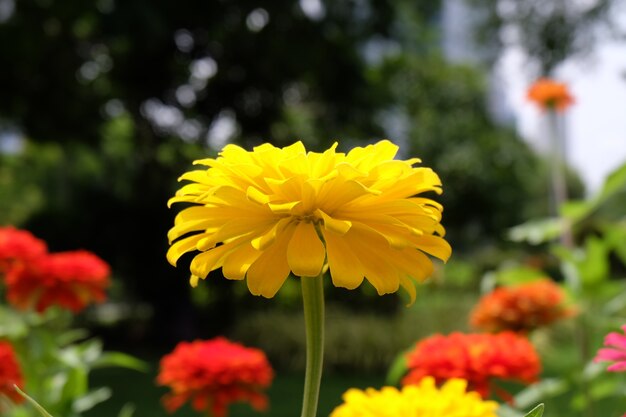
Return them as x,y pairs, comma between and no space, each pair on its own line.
521,308
70,280
10,373
477,358
550,95
214,373
18,245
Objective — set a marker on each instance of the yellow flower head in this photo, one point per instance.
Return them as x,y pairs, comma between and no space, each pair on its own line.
423,400
263,214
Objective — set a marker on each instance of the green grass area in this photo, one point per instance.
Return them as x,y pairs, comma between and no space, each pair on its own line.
285,394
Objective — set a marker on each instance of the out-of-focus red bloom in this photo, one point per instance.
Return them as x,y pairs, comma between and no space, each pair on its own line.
10,373
71,280
521,308
550,95
18,246
214,373
477,358
614,351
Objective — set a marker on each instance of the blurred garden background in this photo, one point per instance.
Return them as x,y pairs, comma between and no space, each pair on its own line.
106,103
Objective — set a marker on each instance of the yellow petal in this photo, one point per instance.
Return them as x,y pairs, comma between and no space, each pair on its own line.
349,172
411,262
305,253
193,281
268,237
297,165
433,245
268,273
251,226
257,196
237,263
193,214
323,164
181,247
195,176
373,253
338,226
345,267
182,229
335,194
408,284
283,208
367,157
206,262
294,149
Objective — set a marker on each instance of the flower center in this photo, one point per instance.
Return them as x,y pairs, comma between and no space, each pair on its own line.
310,218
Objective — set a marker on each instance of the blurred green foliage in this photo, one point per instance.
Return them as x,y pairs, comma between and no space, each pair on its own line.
485,168
56,360
117,98
548,32
363,341
592,272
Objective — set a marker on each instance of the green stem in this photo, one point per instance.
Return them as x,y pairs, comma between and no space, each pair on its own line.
559,183
313,301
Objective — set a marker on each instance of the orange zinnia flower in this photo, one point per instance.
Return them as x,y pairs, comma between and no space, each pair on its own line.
550,95
521,308
477,358
70,280
18,245
214,373
10,373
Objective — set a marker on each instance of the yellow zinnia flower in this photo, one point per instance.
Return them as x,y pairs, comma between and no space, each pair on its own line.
263,214
423,400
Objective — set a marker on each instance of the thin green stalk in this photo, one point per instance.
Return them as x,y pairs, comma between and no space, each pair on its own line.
559,195
558,177
313,301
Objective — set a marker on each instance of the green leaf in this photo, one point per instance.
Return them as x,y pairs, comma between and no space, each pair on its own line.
615,305
547,388
594,269
535,412
576,210
72,336
91,350
77,384
88,401
81,355
615,238
518,275
39,408
507,411
54,386
397,370
120,359
604,388
5,402
615,182
538,231
12,324
593,370
128,410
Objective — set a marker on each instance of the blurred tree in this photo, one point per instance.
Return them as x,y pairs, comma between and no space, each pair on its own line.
547,31
117,98
121,96
184,66
486,169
